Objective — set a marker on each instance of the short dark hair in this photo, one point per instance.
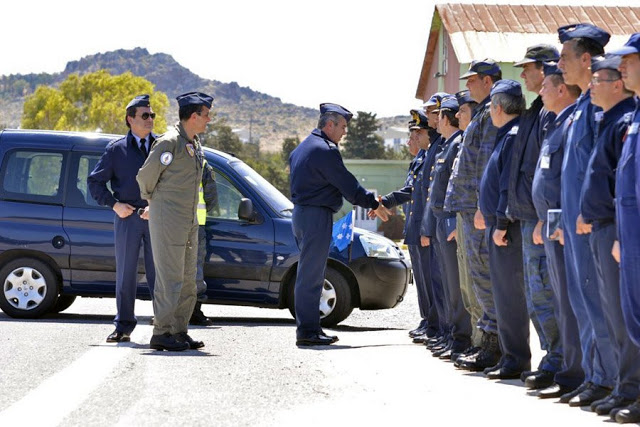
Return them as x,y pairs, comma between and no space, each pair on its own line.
184,113
451,115
584,45
131,112
494,77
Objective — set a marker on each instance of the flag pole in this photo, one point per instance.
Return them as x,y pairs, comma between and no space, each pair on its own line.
353,221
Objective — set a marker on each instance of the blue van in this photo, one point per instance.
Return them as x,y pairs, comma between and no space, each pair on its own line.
56,243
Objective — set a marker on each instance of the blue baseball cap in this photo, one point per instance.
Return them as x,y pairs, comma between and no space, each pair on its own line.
588,31
631,46
194,98
327,107
449,103
550,68
606,62
139,101
420,120
510,87
435,99
486,66
463,97
539,53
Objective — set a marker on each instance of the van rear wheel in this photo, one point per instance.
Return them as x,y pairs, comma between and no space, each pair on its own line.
29,288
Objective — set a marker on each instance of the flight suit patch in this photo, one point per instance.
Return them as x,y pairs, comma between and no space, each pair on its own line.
166,158
191,150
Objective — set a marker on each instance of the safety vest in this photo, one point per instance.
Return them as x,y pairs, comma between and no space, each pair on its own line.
202,207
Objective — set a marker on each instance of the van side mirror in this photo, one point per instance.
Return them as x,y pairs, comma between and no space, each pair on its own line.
245,210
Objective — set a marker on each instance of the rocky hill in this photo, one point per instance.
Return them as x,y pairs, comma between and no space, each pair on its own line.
269,118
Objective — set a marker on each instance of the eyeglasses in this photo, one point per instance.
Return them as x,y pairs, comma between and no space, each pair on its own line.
201,114
145,116
596,80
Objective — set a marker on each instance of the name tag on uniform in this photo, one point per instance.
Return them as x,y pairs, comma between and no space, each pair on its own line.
633,128
576,115
514,130
545,161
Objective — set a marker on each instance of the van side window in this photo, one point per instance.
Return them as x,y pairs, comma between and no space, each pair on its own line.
78,195
32,176
228,199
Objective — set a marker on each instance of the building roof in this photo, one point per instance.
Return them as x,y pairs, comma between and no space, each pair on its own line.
503,32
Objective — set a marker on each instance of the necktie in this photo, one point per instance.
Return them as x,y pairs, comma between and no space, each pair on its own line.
143,147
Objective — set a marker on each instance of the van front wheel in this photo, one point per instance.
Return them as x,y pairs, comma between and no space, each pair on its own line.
29,288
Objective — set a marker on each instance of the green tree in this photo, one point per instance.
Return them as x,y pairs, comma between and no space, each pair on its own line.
361,141
95,101
288,146
221,137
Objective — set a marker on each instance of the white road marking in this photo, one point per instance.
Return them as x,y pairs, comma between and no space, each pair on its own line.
59,395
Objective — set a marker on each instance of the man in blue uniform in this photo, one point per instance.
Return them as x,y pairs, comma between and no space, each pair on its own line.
439,230
319,180
462,196
118,166
558,98
580,43
503,236
597,220
426,266
526,148
628,213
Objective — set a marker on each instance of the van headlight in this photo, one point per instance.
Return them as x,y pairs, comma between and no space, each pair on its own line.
378,247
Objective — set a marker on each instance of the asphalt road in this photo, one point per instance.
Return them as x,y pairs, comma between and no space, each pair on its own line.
60,371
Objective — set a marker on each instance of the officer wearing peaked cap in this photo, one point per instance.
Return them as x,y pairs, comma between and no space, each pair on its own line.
597,216
118,167
526,148
580,43
462,196
558,98
170,180
319,180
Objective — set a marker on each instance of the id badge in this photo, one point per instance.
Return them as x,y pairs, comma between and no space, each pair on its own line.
545,161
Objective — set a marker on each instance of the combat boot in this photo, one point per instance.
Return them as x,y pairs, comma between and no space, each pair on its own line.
487,357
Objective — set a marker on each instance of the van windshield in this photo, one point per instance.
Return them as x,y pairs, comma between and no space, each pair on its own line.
271,194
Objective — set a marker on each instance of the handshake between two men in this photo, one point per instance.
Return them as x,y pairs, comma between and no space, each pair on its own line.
382,212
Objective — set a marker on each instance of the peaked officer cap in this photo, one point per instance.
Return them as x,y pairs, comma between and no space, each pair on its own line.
327,107
510,87
420,119
139,101
486,66
463,97
194,98
588,31
539,53
449,103
435,99
607,62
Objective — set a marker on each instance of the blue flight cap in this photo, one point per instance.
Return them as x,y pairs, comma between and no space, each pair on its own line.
419,119
463,97
327,107
194,98
631,46
539,53
486,66
139,101
510,87
435,99
550,68
607,62
588,31
449,103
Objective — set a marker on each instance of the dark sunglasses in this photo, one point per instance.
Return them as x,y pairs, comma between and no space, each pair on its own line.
145,116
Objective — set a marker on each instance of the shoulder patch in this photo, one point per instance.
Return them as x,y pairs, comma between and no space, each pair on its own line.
166,158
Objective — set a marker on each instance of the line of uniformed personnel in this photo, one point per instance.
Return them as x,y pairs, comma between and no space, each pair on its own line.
519,215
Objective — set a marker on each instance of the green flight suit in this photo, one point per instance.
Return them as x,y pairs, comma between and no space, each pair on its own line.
170,180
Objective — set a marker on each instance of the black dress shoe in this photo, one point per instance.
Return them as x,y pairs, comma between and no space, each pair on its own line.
167,342
117,336
184,337
590,395
313,341
565,398
334,338
198,318
630,414
554,391
539,379
605,406
420,330
504,373
420,339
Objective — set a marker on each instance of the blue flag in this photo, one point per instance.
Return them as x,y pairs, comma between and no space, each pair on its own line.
343,232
